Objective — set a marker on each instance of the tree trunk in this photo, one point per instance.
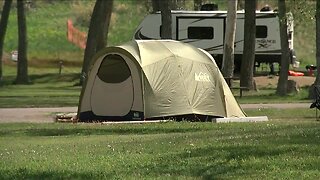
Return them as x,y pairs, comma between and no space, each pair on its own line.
228,54
284,64
106,12
97,34
247,63
155,5
197,5
173,4
317,81
22,66
3,28
241,4
166,20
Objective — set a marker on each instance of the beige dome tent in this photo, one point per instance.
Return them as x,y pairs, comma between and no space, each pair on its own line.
155,79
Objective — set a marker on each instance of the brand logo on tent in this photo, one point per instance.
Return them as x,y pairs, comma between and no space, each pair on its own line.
203,77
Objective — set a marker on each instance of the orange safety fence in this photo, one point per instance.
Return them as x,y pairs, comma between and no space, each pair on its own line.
75,36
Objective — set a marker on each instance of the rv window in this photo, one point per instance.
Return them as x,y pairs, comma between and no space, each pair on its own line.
261,31
113,69
200,32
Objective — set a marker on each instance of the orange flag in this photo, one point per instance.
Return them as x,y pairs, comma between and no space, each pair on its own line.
75,36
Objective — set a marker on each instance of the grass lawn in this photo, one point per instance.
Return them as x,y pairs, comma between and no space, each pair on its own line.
283,148
47,89
268,95
286,147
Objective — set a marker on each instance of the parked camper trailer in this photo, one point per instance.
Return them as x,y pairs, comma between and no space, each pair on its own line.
206,30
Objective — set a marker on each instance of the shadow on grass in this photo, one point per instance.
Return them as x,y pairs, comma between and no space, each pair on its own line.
268,95
62,129
99,131
54,77
45,78
23,173
244,155
231,161
225,161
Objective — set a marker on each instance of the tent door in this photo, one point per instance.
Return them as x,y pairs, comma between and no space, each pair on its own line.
112,94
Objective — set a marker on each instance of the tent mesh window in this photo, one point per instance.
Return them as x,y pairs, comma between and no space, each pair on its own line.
113,69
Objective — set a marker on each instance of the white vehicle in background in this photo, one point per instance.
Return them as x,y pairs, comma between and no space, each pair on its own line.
206,30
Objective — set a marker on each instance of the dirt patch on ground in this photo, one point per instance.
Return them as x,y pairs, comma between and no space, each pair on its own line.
272,81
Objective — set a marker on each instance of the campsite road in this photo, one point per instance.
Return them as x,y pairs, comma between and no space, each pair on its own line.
33,115
276,106
42,115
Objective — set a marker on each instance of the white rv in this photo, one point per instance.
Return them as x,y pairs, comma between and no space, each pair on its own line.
206,30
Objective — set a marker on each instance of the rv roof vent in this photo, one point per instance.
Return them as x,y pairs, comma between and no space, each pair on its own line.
209,7
266,8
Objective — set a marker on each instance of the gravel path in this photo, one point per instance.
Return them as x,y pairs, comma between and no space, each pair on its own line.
47,115
277,106
33,115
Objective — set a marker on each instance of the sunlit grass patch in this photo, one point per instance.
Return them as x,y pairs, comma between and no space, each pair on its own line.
275,149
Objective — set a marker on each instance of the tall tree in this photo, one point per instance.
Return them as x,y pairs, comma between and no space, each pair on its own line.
174,4
155,5
22,66
241,4
317,81
247,63
228,49
97,34
285,54
106,12
166,20
3,28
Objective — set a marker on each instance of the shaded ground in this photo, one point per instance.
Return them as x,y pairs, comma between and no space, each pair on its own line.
267,81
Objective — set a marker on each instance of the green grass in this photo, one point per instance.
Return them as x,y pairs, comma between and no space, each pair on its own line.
278,149
284,148
268,95
47,90
46,29
304,114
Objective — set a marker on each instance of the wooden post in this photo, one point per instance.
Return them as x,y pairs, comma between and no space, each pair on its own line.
60,66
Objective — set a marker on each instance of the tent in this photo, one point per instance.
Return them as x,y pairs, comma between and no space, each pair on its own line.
155,79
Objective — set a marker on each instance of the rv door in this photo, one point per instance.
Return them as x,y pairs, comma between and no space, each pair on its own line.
203,32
